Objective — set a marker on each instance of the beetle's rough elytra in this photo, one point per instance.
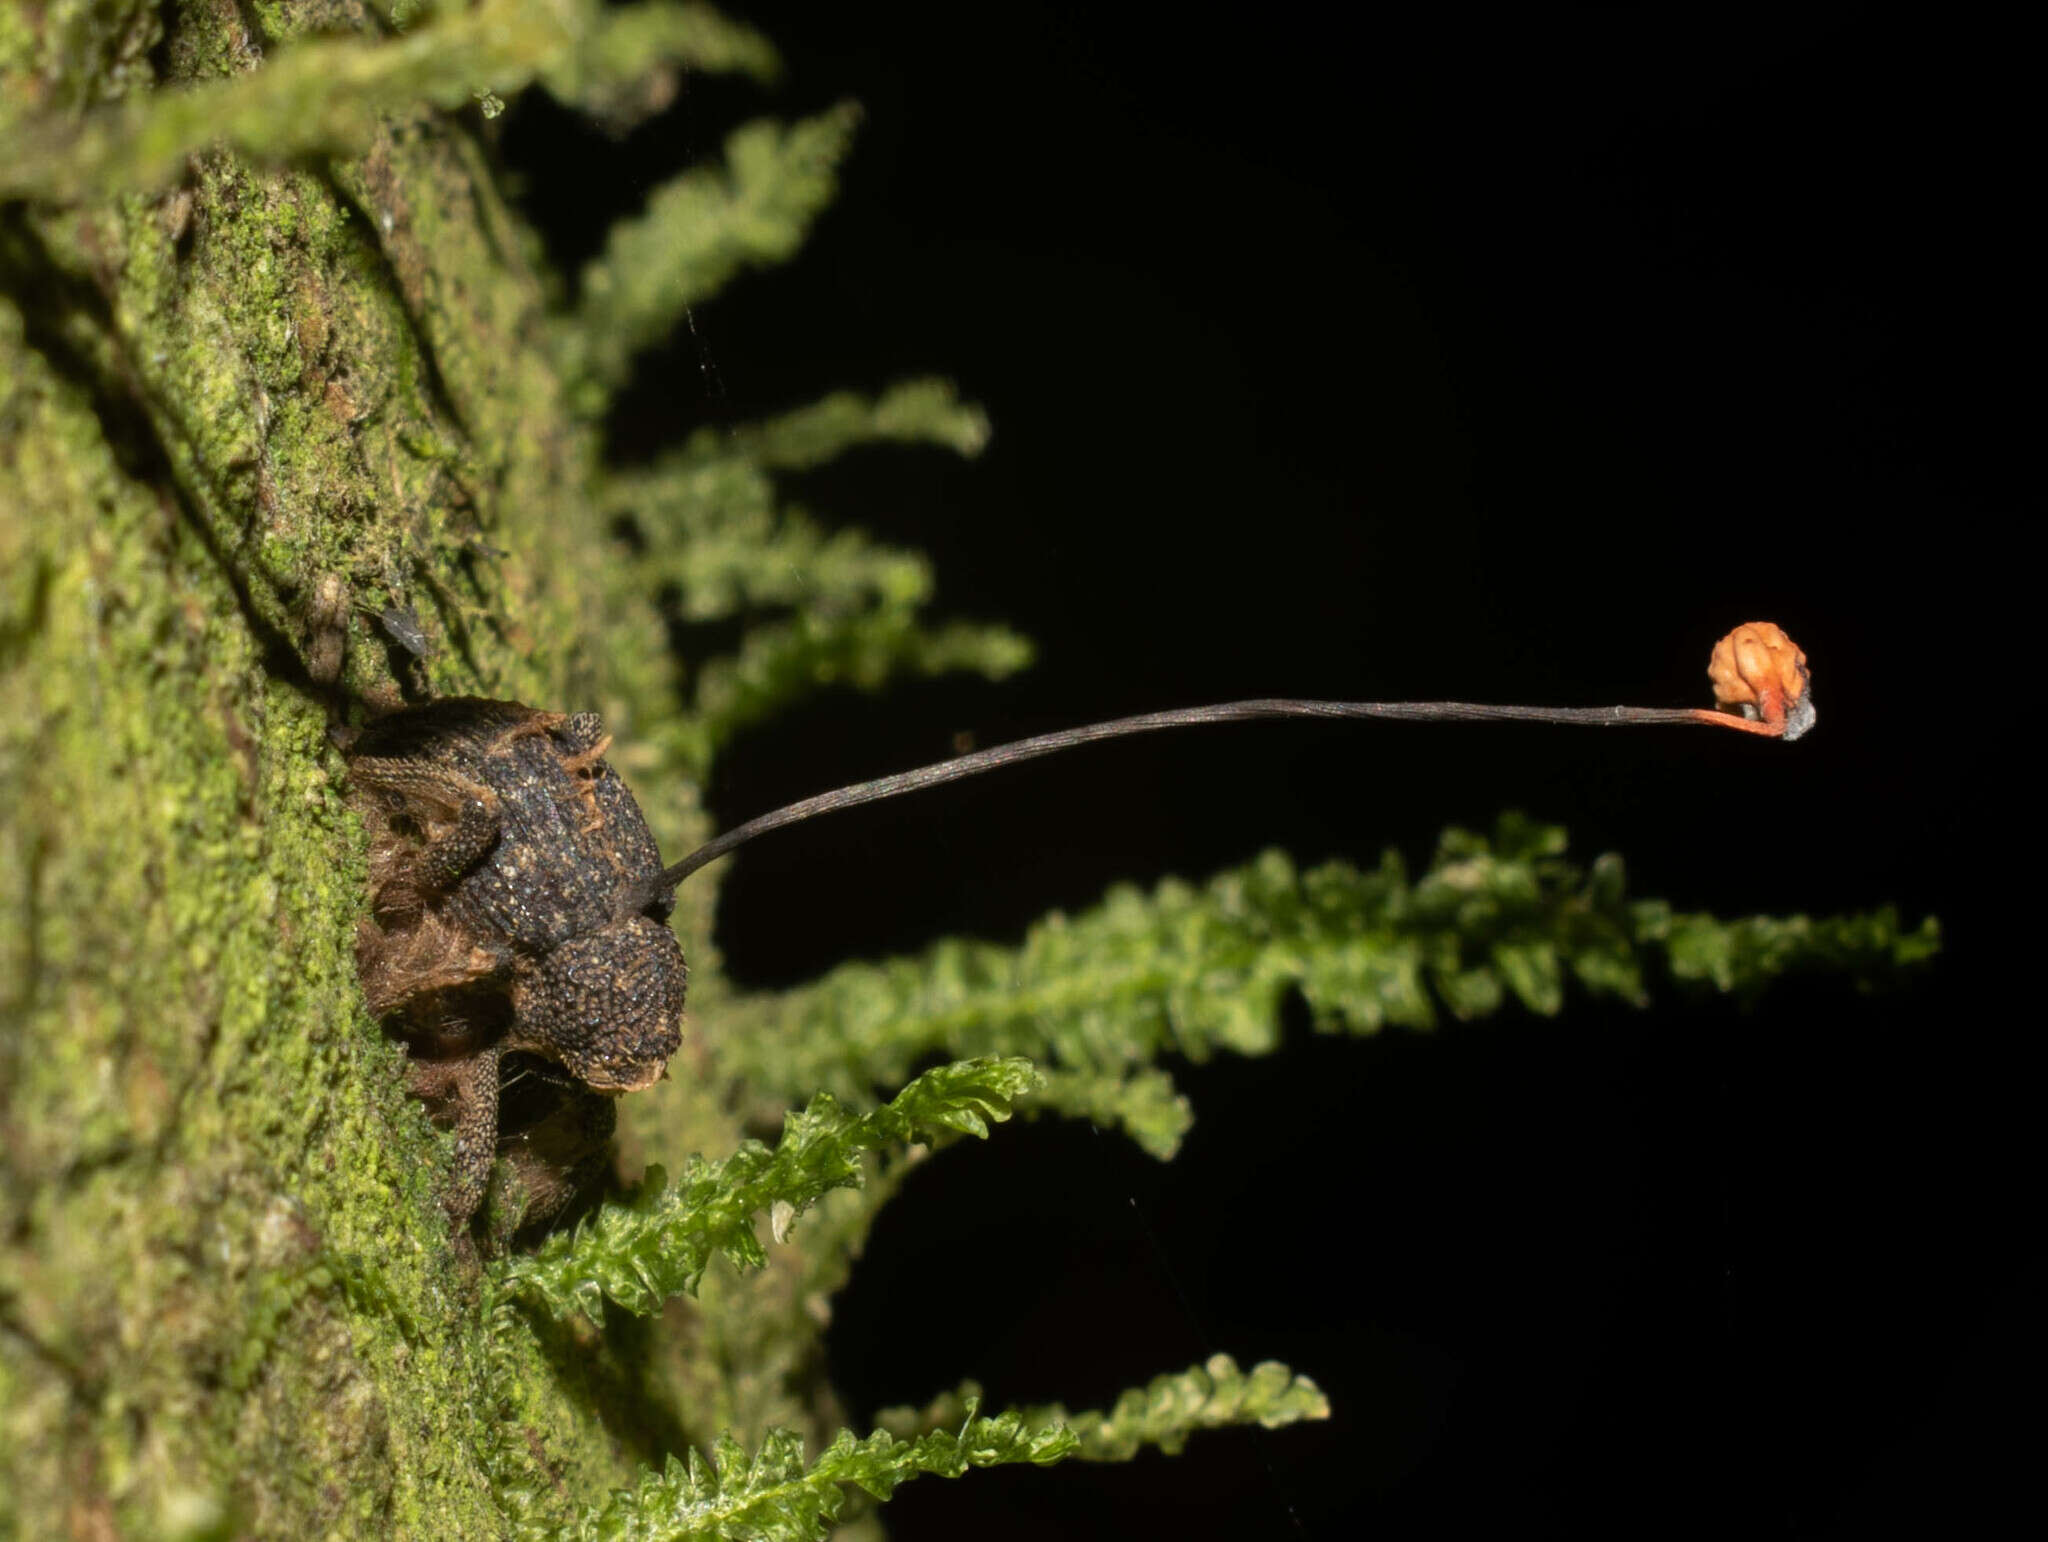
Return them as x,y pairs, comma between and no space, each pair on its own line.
519,907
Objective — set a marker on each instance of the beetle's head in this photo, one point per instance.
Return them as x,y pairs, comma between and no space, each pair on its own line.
608,1005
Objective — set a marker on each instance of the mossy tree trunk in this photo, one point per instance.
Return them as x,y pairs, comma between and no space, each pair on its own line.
228,1302
258,427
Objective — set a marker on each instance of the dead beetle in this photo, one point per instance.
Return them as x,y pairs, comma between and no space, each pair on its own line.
519,907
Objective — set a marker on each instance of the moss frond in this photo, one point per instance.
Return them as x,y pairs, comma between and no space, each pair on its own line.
706,521
1161,1414
925,411
1098,997
781,661
657,1245
324,95
626,41
826,607
1744,955
763,558
773,1497
697,232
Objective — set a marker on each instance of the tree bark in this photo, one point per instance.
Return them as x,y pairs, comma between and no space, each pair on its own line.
232,415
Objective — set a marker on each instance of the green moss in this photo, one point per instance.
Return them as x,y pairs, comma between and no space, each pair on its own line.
206,1115
229,1300
325,89
66,55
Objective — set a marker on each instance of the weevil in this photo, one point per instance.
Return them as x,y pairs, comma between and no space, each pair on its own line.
514,911
518,908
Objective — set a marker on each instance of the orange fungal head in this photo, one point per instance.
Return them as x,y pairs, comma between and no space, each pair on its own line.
1760,672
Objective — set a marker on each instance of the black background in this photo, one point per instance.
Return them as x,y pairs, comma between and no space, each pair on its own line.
1503,357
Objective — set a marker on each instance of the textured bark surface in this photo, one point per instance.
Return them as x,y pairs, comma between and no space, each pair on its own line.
228,1303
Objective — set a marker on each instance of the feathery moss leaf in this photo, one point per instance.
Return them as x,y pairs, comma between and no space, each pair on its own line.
923,411
1163,1413
733,1498
783,660
697,232
1169,1409
843,610
705,517
1745,954
773,1495
764,558
657,1245
625,41
324,95
1098,997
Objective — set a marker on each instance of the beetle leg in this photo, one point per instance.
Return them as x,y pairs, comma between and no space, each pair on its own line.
464,812
474,1082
